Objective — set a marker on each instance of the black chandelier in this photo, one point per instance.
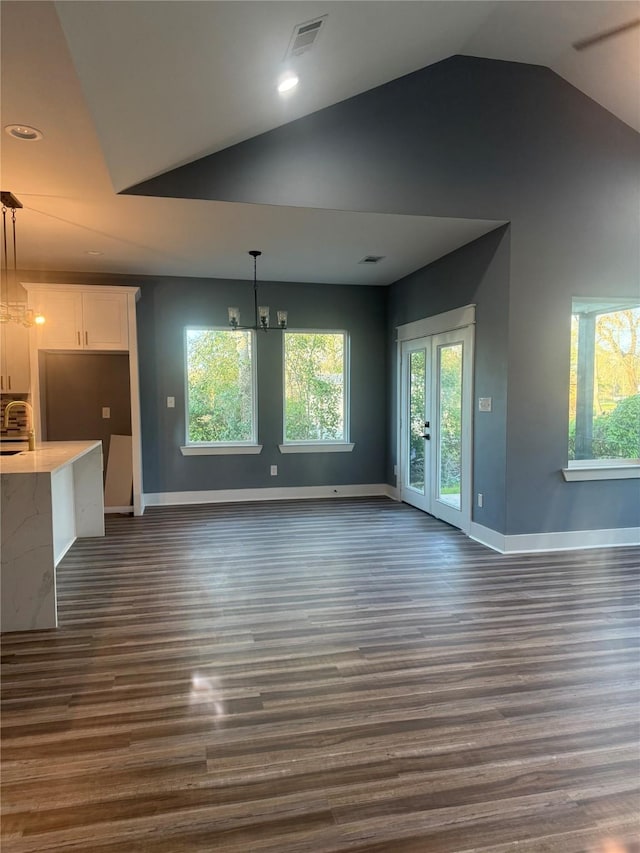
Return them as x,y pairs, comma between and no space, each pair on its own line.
261,312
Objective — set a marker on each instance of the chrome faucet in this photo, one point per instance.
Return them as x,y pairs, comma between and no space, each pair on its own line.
29,410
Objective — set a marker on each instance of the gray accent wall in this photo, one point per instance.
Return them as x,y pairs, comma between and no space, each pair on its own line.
169,308
472,137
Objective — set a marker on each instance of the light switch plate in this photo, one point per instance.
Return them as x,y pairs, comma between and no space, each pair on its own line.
106,412
171,402
484,404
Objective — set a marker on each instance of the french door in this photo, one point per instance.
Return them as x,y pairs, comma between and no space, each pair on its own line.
435,425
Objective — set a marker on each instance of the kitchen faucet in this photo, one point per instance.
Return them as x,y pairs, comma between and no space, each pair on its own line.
29,411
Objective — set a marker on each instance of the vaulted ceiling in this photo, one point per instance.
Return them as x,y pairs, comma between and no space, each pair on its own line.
125,91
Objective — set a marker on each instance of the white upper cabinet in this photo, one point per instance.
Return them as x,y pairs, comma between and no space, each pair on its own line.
14,359
105,323
76,318
62,311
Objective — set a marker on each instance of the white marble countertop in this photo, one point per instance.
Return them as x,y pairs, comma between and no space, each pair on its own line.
49,456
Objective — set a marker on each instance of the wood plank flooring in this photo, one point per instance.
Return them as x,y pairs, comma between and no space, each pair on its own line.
324,676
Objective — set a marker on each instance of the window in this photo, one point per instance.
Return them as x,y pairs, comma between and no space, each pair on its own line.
604,403
316,387
220,387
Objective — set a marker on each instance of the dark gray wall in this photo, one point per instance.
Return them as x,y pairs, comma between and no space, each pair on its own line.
75,387
475,274
166,309
167,305
480,138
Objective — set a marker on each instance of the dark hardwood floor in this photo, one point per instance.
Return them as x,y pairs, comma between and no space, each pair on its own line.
324,676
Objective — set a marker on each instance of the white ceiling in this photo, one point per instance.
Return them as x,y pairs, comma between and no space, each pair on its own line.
127,90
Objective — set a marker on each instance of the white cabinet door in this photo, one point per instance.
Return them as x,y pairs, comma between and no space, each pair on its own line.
15,359
81,320
62,311
105,321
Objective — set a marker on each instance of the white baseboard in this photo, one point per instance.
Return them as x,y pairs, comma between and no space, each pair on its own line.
566,540
267,494
487,536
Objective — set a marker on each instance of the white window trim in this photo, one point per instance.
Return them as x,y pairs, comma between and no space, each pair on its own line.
602,469
317,447
219,449
321,445
222,448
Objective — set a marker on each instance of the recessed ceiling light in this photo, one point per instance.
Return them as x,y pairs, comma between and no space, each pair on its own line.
287,82
93,252
24,132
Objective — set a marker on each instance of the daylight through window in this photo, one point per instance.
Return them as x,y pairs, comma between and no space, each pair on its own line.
315,381
604,403
220,386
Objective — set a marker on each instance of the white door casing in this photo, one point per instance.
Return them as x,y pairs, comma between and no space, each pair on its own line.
442,412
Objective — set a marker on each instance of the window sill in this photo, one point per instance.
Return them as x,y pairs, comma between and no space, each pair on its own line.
605,469
317,447
219,449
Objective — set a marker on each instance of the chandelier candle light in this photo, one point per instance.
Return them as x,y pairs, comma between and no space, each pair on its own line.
12,311
261,311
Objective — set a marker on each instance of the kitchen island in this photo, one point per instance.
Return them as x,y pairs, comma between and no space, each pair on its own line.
49,497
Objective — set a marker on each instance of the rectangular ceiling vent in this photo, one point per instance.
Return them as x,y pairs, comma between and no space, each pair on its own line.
372,259
304,37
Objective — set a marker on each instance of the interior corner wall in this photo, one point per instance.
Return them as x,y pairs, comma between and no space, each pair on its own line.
477,273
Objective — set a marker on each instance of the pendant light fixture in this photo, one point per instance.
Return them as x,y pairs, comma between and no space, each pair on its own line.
12,310
261,312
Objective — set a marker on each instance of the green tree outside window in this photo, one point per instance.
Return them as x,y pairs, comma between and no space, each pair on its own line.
220,398
314,379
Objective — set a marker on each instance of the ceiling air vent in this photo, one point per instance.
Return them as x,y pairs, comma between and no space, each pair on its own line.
304,37
372,259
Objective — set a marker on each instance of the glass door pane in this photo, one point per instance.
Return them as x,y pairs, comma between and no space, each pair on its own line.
450,425
417,385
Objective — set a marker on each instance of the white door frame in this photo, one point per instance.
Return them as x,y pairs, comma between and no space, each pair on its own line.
449,321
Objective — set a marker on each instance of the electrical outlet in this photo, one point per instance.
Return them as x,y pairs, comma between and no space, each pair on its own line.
171,402
480,498
274,470
106,412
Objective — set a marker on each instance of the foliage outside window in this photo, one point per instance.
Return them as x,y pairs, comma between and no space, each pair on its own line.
604,402
450,458
220,386
315,386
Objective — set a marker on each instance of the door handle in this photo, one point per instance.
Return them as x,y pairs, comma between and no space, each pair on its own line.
78,338
428,437
86,338
9,378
